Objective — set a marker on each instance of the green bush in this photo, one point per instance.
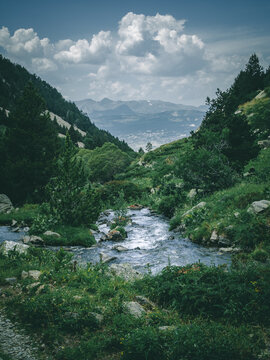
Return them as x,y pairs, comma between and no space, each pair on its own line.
212,292
259,255
70,236
194,341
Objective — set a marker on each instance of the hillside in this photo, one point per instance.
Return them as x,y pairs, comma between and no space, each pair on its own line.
13,79
140,122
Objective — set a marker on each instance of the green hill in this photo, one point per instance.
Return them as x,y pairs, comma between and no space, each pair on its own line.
13,79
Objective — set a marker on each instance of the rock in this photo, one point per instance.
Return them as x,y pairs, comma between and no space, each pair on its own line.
44,286
33,285
14,223
98,317
230,250
52,233
77,297
262,94
192,194
133,308
5,204
114,235
16,229
120,248
35,274
8,246
33,240
264,144
135,207
258,206
11,280
171,237
201,205
167,328
214,237
125,271
145,302
223,241
105,258
236,214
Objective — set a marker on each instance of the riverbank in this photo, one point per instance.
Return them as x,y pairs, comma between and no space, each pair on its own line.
90,313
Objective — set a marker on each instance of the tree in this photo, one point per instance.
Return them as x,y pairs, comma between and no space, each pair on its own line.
148,147
31,145
72,201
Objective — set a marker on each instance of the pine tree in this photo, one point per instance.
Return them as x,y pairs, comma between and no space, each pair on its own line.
71,198
31,146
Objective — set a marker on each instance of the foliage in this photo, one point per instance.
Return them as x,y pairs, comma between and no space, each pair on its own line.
13,79
103,163
29,149
110,191
235,295
71,199
70,236
26,215
206,170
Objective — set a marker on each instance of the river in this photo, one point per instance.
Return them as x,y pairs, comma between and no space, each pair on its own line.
150,245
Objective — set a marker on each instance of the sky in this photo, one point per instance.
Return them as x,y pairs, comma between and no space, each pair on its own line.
179,51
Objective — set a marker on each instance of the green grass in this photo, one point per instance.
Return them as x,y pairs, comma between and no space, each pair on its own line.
25,214
70,236
61,313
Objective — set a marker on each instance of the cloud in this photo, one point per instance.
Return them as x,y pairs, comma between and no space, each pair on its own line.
87,52
24,42
146,57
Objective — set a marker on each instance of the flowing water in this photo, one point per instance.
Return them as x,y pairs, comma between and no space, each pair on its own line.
150,244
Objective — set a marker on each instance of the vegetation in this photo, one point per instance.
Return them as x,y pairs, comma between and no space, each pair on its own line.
197,312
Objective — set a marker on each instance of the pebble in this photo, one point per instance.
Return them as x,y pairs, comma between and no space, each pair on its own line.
14,342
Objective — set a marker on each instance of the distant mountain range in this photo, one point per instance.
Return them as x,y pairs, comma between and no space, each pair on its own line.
138,122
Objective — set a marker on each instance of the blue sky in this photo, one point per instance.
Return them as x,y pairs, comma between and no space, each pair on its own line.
178,51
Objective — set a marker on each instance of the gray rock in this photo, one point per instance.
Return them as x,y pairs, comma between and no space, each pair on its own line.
125,271
16,229
105,258
114,235
223,241
192,194
230,250
34,274
258,206
33,285
5,204
52,233
99,318
167,328
33,240
201,205
11,280
214,237
8,246
120,248
145,302
264,144
14,223
133,308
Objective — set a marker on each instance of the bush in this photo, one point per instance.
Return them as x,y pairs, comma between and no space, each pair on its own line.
211,292
195,341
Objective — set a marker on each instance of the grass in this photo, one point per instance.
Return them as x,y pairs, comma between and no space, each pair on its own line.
62,313
25,214
70,236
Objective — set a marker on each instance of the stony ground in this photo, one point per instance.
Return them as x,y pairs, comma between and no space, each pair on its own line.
14,342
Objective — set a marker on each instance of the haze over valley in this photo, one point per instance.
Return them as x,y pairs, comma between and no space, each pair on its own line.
140,122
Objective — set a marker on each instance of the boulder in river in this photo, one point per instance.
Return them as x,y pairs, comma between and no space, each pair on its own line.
120,248
5,204
33,240
114,235
8,246
105,258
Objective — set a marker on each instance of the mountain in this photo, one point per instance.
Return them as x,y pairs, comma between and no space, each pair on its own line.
139,122
13,79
